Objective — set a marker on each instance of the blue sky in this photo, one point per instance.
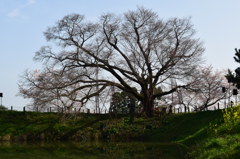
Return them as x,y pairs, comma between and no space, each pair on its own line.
23,22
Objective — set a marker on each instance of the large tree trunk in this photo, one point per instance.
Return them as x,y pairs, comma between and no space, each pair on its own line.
148,103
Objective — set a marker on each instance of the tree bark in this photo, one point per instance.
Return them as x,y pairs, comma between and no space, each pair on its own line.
148,104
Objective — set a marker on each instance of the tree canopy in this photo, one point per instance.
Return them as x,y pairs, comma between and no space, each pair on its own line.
136,52
234,78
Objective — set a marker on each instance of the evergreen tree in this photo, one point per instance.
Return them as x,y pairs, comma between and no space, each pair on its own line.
235,77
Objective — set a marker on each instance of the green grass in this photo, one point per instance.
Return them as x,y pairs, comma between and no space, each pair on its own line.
106,150
34,126
218,147
185,128
222,140
192,130
43,126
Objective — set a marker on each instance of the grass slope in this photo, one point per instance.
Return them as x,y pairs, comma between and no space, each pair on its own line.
190,129
186,128
43,126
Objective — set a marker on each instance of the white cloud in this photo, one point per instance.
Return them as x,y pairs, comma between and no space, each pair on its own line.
14,13
31,2
17,11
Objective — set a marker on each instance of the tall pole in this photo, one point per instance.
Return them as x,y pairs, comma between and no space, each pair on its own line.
1,95
225,100
172,92
97,89
235,93
236,100
225,97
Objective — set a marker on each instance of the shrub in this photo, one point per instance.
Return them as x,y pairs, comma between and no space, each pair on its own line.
231,121
2,108
231,117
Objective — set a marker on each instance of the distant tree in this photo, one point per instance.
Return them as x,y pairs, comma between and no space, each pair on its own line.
205,90
135,50
208,88
234,78
119,103
3,108
122,103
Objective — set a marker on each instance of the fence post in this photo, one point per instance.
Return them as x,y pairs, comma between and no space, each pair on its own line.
24,109
11,108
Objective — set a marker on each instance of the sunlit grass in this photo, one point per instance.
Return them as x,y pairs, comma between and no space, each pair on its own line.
226,147
223,140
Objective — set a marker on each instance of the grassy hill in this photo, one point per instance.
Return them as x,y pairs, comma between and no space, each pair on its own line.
203,133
